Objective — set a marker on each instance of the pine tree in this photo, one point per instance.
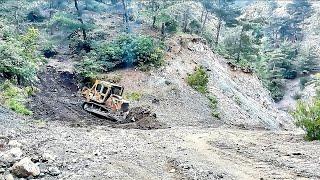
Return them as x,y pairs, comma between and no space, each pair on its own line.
291,28
226,13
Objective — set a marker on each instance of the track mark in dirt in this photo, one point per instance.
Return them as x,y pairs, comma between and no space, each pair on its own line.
232,161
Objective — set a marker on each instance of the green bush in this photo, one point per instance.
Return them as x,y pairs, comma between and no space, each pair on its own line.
129,50
88,68
297,95
171,24
214,105
199,80
65,21
195,26
133,96
276,88
304,81
308,118
15,98
14,65
18,57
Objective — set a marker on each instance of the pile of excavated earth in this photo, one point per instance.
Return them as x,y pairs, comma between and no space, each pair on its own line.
252,139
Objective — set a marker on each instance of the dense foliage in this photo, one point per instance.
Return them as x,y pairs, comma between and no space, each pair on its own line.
128,50
199,80
18,56
15,97
308,118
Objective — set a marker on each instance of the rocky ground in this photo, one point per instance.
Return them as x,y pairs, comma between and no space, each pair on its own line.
251,140
99,152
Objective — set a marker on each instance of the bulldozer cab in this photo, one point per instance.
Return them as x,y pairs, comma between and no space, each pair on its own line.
103,90
105,99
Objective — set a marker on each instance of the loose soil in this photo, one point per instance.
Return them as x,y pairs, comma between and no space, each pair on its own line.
58,99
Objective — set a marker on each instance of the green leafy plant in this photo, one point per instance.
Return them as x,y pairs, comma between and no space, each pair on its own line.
199,80
133,96
130,50
214,105
88,68
304,81
308,118
15,98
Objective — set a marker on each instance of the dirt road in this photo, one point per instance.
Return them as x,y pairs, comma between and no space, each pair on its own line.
97,152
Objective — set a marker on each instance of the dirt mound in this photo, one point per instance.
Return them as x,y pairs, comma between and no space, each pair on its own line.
141,118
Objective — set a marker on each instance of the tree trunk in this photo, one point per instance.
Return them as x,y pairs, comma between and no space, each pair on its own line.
205,21
84,33
202,14
218,31
154,21
163,35
240,45
126,16
185,20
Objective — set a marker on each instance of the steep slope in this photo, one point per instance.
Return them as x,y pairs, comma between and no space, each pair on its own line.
243,101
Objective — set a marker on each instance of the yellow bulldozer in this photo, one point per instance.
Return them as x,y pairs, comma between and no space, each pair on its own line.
105,99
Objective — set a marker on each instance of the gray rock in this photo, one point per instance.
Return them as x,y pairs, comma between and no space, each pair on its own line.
54,171
14,143
46,156
25,168
2,170
42,175
8,177
10,156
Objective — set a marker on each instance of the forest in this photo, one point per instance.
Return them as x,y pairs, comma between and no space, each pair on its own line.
218,66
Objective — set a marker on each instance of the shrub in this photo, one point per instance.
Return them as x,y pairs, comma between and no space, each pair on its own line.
171,25
199,80
276,88
18,57
134,96
297,95
66,21
88,68
14,65
214,105
128,50
195,26
304,81
308,118
14,97
35,16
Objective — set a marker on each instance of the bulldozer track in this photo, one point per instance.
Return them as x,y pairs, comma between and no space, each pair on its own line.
100,110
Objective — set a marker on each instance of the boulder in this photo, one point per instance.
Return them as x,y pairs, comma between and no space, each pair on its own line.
8,177
10,156
25,168
46,156
54,171
14,144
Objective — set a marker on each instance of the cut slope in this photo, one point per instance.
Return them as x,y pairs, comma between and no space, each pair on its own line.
243,101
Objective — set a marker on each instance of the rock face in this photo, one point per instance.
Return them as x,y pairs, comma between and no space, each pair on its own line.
25,168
